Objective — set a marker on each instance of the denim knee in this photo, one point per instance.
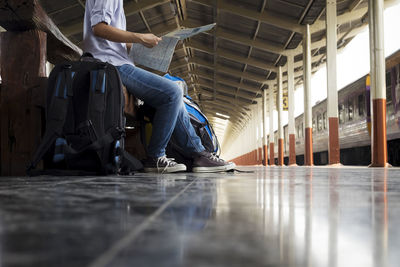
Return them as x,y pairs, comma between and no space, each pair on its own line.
175,93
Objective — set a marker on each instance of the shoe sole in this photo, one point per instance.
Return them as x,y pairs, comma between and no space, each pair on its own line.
168,170
214,169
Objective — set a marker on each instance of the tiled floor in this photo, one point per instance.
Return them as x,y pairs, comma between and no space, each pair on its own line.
278,216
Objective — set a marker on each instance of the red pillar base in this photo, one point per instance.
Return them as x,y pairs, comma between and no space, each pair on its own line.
334,148
280,152
308,156
379,140
265,158
292,149
271,154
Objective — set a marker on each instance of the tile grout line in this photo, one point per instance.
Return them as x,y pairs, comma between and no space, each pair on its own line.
55,183
107,256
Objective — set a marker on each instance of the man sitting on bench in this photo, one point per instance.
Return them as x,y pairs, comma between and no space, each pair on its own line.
105,36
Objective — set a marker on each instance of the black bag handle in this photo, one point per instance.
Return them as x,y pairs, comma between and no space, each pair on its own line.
88,57
86,54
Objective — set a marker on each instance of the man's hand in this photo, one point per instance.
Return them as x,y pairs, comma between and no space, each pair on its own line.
149,40
113,34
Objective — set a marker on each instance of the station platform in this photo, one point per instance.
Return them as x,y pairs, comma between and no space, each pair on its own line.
273,216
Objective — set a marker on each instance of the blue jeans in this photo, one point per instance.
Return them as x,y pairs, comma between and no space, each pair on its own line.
171,116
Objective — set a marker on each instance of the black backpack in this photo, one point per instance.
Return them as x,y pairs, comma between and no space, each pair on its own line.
85,123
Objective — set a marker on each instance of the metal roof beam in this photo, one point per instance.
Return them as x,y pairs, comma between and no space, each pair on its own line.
225,107
230,55
221,109
221,89
353,5
130,9
221,98
227,93
211,110
181,5
220,68
250,42
232,99
276,49
244,87
348,16
264,16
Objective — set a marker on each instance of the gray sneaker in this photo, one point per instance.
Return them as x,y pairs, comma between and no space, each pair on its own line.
207,162
162,165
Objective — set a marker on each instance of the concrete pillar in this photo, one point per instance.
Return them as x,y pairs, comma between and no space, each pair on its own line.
331,67
378,84
271,126
280,117
260,129
308,150
265,140
253,123
291,122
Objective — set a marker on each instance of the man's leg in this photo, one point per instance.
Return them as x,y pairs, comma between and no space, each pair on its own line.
166,97
186,137
160,93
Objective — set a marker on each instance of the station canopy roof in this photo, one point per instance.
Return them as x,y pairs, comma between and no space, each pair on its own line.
227,67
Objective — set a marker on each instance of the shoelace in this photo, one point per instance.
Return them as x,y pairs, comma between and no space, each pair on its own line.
164,160
215,158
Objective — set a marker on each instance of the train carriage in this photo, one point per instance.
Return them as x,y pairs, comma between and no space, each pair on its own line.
354,112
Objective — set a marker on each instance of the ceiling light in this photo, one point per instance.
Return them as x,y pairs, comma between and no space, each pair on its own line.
222,115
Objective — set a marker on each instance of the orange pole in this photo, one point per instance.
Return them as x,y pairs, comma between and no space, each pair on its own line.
379,139
271,154
292,149
334,148
308,157
265,158
280,152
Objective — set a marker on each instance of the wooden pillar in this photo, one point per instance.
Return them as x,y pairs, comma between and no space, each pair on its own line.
23,70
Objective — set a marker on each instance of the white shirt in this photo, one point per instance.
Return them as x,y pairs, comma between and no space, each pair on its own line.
112,13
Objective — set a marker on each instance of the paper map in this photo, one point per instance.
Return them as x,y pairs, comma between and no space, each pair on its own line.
160,56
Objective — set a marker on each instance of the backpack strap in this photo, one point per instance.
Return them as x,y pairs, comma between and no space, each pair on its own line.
97,102
129,163
111,136
56,115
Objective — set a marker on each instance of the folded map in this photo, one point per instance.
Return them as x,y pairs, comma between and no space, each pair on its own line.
159,57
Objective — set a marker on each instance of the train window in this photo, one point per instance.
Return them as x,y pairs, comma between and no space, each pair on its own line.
350,109
388,87
361,105
319,122
313,125
325,120
302,130
341,113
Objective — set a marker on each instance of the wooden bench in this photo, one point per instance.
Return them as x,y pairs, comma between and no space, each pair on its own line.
31,39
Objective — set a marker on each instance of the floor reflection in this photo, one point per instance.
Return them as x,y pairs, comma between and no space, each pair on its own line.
322,217
275,216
